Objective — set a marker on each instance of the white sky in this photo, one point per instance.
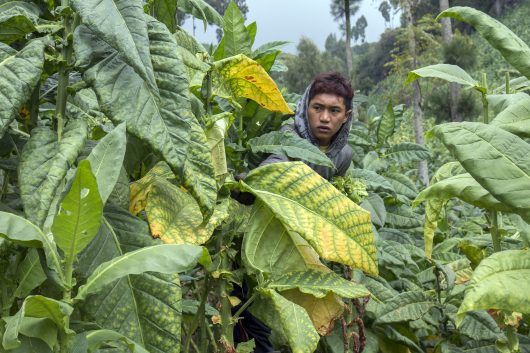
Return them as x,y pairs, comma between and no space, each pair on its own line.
291,19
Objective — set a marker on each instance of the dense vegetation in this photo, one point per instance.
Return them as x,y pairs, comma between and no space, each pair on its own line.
121,138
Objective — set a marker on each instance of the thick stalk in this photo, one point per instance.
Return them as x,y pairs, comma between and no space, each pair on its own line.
244,306
33,109
200,314
493,215
69,24
227,327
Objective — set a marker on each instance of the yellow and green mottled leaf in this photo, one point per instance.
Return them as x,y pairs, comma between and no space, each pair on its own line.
295,324
319,284
499,282
307,204
173,214
322,311
269,247
240,76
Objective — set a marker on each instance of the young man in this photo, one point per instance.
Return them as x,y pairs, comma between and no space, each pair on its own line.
323,117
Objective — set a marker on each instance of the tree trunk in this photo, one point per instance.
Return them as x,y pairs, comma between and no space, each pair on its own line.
497,7
416,97
349,59
454,88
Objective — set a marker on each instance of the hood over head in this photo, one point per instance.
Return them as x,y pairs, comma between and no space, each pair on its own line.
301,125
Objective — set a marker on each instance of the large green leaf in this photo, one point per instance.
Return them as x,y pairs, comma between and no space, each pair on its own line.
106,159
19,74
405,306
167,258
202,10
146,307
290,145
406,152
319,284
98,338
401,216
39,307
29,274
216,141
447,72
166,12
20,230
78,219
373,180
499,282
43,166
165,123
239,76
16,21
42,329
236,39
402,184
515,118
126,33
376,206
499,102
479,325
386,125
502,165
511,47
295,325
464,187
341,231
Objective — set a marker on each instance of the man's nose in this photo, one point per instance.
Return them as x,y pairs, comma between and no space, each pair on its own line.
325,116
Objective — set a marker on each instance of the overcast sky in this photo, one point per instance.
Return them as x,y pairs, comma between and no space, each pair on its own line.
291,19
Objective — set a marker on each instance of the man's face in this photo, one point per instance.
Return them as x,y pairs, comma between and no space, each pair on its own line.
327,112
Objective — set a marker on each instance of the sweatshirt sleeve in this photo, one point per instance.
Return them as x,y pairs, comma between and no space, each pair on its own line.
344,161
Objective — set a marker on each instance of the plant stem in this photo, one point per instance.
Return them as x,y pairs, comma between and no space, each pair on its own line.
244,306
227,333
211,335
69,24
494,229
485,106
200,313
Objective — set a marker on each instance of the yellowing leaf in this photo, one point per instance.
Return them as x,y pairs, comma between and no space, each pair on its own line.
172,213
321,311
307,204
239,76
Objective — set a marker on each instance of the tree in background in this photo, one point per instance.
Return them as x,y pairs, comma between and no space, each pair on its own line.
342,10
303,67
359,30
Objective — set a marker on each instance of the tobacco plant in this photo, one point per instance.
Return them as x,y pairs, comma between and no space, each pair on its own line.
99,94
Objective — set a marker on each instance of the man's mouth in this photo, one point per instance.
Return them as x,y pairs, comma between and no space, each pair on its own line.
323,129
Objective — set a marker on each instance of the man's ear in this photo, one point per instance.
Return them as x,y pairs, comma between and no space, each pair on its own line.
348,113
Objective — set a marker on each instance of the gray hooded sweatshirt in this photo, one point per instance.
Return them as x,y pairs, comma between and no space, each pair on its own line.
338,151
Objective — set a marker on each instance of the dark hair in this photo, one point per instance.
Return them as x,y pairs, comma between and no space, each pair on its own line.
332,83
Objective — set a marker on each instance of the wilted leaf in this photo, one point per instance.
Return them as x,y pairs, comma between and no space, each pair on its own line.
499,282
